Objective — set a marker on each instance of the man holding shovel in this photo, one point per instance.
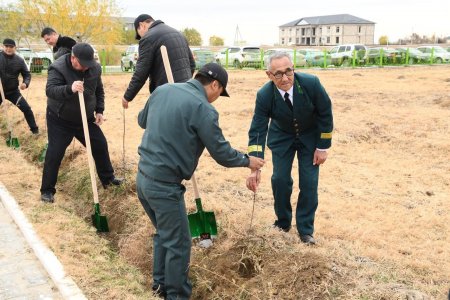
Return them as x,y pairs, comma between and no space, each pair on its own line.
11,66
179,123
69,75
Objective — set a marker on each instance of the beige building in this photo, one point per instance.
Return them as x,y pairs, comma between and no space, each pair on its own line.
327,30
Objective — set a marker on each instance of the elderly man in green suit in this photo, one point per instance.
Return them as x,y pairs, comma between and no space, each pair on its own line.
293,112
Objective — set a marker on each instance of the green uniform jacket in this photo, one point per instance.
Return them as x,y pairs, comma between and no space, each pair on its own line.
179,123
311,121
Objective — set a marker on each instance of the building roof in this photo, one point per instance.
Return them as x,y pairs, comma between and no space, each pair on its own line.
325,20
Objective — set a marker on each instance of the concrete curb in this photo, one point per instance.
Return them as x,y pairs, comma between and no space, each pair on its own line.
66,286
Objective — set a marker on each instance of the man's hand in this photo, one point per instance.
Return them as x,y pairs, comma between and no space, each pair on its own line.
253,180
99,119
124,103
77,86
320,157
23,86
256,163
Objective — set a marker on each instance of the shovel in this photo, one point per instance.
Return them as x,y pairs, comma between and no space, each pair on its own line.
100,222
202,224
11,140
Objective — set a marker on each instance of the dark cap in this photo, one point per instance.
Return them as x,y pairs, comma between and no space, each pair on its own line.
139,19
218,73
85,54
9,42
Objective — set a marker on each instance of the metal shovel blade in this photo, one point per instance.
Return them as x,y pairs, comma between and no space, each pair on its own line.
100,222
12,142
202,224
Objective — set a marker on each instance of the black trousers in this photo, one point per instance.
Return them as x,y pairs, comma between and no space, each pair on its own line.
60,135
14,96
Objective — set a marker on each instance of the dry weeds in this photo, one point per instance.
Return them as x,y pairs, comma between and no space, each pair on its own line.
383,218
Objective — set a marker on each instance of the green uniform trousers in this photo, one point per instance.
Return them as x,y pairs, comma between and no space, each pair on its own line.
164,204
282,187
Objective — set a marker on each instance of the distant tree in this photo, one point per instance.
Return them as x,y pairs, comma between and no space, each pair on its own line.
216,41
84,20
383,40
193,36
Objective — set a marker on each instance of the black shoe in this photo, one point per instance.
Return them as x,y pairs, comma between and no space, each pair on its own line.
47,197
113,181
277,226
159,292
307,239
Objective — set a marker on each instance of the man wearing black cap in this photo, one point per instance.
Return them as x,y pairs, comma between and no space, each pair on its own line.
69,75
11,65
179,122
60,44
152,35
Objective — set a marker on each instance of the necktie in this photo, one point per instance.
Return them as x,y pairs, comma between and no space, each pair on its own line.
288,101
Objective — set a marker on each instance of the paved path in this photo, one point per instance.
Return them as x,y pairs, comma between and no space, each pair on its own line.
21,274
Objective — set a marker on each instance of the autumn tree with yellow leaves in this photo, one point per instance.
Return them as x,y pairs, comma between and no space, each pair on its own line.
92,21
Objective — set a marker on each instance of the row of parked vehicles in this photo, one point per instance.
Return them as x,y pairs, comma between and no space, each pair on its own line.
256,57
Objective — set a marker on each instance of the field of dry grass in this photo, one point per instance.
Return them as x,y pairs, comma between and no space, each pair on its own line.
383,220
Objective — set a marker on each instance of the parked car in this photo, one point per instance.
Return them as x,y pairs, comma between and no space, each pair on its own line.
239,57
315,57
414,56
129,58
47,57
32,60
343,54
202,56
299,60
385,55
439,54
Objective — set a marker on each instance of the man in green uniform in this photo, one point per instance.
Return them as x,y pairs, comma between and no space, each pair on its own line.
179,122
301,122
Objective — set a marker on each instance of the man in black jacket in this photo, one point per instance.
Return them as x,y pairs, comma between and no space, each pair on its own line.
11,65
61,44
69,75
152,35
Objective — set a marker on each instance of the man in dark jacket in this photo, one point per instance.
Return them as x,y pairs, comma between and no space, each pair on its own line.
301,122
61,44
11,65
152,35
67,76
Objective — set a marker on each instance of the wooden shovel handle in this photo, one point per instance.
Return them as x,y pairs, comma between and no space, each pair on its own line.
88,147
168,69
1,89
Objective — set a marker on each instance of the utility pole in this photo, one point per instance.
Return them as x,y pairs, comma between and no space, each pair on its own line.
237,37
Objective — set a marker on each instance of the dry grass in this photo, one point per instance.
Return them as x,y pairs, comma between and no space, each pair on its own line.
383,217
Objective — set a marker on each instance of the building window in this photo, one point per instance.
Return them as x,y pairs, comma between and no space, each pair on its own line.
314,31
282,30
328,28
359,29
313,40
290,40
297,41
328,39
337,29
282,41
303,31
337,40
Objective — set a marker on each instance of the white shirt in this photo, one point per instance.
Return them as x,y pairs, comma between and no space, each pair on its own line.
290,92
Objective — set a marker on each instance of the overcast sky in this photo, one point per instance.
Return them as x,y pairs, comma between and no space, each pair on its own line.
258,20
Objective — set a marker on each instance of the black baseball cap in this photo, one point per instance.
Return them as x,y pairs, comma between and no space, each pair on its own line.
9,42
85,54
139,19
217,72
